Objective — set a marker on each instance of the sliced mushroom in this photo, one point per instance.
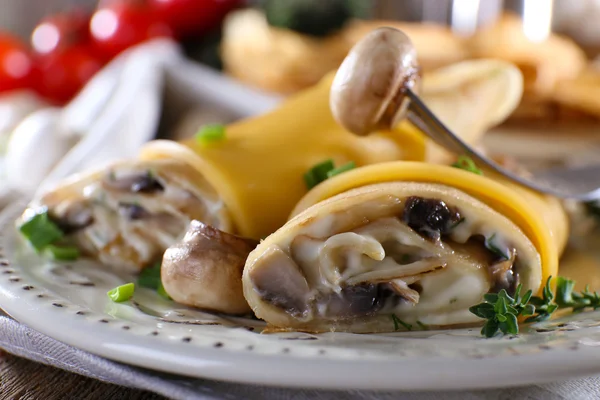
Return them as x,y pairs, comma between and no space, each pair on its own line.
503,274
135,183
430,217
280,282
204,270
402,289
353,301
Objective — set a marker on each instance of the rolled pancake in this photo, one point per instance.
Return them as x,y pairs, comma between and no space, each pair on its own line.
285,61
420,242
128,214
258,168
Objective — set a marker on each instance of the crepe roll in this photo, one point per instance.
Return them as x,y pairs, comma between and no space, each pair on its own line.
258,167
401,241
126,215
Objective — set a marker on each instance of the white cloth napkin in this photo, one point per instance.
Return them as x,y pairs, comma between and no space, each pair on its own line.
22,341
120,109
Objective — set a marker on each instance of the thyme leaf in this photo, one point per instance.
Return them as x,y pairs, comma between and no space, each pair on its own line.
501,311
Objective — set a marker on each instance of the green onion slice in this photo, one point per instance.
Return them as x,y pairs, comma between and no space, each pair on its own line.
40,231
62,253
122,293
318,173
467,164
210,133
341,169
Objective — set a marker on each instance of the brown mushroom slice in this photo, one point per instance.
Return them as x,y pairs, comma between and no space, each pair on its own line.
282,282
414,250
204,270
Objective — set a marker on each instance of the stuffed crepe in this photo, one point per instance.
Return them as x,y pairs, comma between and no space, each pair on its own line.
417,242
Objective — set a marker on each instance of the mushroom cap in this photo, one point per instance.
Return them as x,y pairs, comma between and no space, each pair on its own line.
368,91
204,270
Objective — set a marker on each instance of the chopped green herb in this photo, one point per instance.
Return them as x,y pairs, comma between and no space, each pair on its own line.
40,231
398,322
121,293
422,326
63,253
210,133
493,247
341,169
318,173
150,277
323,171
467,164
162,292
453,300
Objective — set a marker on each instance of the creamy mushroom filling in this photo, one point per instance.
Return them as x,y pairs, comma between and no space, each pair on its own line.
129,215
385,264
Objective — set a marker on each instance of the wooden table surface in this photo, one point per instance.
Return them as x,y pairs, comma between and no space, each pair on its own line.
25,380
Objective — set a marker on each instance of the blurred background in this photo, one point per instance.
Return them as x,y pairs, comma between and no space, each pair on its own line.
236,58
101,29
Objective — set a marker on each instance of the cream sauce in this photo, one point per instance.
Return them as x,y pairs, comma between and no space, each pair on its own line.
450,280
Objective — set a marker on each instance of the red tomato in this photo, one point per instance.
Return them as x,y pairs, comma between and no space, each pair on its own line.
192,17
60,31
64,73
120,25
16,64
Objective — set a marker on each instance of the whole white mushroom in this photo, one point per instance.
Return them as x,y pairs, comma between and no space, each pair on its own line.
368,91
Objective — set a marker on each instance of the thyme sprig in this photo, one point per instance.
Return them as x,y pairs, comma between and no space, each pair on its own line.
565,297
501,311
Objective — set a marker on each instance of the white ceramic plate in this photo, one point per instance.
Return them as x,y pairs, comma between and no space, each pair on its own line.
68,302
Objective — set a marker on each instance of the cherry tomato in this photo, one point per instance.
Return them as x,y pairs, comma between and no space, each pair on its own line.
120,25
60,31
193,17
16,64
63,74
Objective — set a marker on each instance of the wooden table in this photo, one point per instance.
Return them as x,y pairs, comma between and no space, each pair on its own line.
25,380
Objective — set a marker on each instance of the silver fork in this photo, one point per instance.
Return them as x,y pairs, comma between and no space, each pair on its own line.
579,183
